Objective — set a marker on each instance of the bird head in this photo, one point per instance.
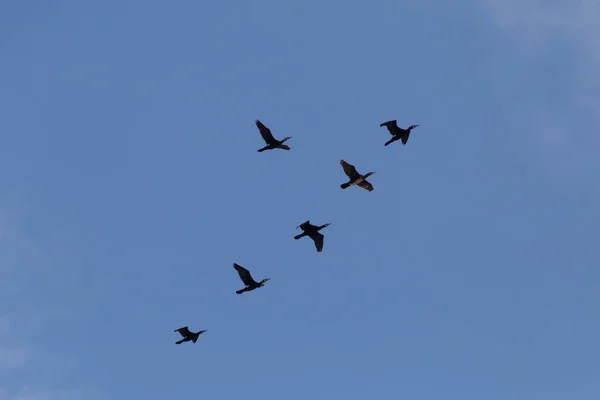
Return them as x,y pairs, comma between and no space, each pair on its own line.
287,138
326,225
410,128
264,281
201,332
369,174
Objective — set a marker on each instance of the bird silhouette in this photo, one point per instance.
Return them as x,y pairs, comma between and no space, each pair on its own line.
187,335
397,132
250,283
355,178
272,143
312,231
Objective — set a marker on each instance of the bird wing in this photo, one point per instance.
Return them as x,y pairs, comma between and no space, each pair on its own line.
318,237
349,170
305,225
391,126
244,274
185,332
265,132
405,138
366,185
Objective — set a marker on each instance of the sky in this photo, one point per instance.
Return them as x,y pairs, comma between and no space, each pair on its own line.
130,184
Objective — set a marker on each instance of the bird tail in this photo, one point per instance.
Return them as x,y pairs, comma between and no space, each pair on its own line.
299,236
284,146
345,185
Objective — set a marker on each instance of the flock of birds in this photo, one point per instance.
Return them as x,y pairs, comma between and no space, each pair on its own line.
308,229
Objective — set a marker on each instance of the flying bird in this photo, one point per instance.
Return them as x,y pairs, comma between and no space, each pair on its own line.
355,178
272,143
312,231
397,132
245,276
187,335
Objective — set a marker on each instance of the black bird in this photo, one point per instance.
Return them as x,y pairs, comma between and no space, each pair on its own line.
272,143
312,231
187,335
355,178
245,276
397,132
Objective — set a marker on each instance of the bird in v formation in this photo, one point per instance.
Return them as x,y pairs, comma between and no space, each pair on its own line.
308,229
397,132
312,231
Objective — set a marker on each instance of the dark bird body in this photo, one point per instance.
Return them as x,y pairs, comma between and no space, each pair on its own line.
355,178
187,335
397,132
272,143
312,231
245,276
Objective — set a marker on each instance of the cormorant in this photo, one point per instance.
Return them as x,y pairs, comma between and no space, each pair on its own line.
312,231
245,276
355,178
397,132
272,143
187,335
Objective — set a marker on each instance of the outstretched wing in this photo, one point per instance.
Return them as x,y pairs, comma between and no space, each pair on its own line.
405,138
349,170
366,185
391,126
265,132
244,274
185,332
305,225
318,237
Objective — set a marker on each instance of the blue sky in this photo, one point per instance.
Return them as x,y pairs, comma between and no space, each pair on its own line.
130,184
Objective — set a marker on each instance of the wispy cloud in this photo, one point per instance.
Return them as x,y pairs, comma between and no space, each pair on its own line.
13,358
4,325
28,393
22,259
537,25
12,355
567,135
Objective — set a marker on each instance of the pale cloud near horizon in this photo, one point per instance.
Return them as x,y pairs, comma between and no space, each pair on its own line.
568,142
